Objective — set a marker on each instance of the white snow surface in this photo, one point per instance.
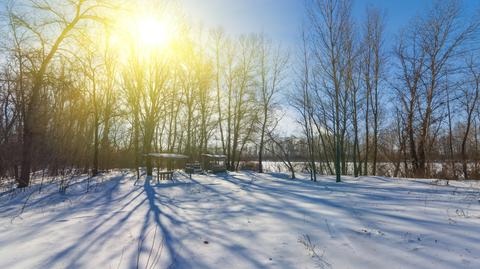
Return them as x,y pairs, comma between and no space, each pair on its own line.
242,220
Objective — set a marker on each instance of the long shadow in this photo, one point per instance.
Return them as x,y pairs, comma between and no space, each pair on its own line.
348,208
172,223
178,254
154,213
94,202
169,215
91,239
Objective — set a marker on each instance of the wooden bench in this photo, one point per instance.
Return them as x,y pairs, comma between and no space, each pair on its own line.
164,175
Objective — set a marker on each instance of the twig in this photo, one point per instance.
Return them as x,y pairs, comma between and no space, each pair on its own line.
311,248
23,207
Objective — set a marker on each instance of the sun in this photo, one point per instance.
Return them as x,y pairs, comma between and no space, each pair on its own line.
144,32
154,32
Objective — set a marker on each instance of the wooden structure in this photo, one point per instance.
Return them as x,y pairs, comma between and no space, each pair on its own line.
164,175
214,163
170,161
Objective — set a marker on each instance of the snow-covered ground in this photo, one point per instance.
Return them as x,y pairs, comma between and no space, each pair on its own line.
242,220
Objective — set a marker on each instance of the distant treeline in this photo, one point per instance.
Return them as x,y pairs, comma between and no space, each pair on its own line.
79,92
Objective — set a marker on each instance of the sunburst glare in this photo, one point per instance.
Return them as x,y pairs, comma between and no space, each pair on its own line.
154,32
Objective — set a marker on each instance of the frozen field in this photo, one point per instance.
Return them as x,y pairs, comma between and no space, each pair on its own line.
242,220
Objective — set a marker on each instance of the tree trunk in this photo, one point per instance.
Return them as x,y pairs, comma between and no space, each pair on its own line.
95,148
262,141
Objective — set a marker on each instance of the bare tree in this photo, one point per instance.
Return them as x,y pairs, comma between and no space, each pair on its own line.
374,61
470,100
273,63
332,29
430,45
302,103
235,80
66,23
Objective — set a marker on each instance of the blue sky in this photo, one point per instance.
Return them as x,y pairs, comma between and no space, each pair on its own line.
281,19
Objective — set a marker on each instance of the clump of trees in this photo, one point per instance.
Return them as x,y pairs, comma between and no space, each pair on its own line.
79,93
362,103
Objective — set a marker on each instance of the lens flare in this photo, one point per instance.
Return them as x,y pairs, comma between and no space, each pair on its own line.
154,32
